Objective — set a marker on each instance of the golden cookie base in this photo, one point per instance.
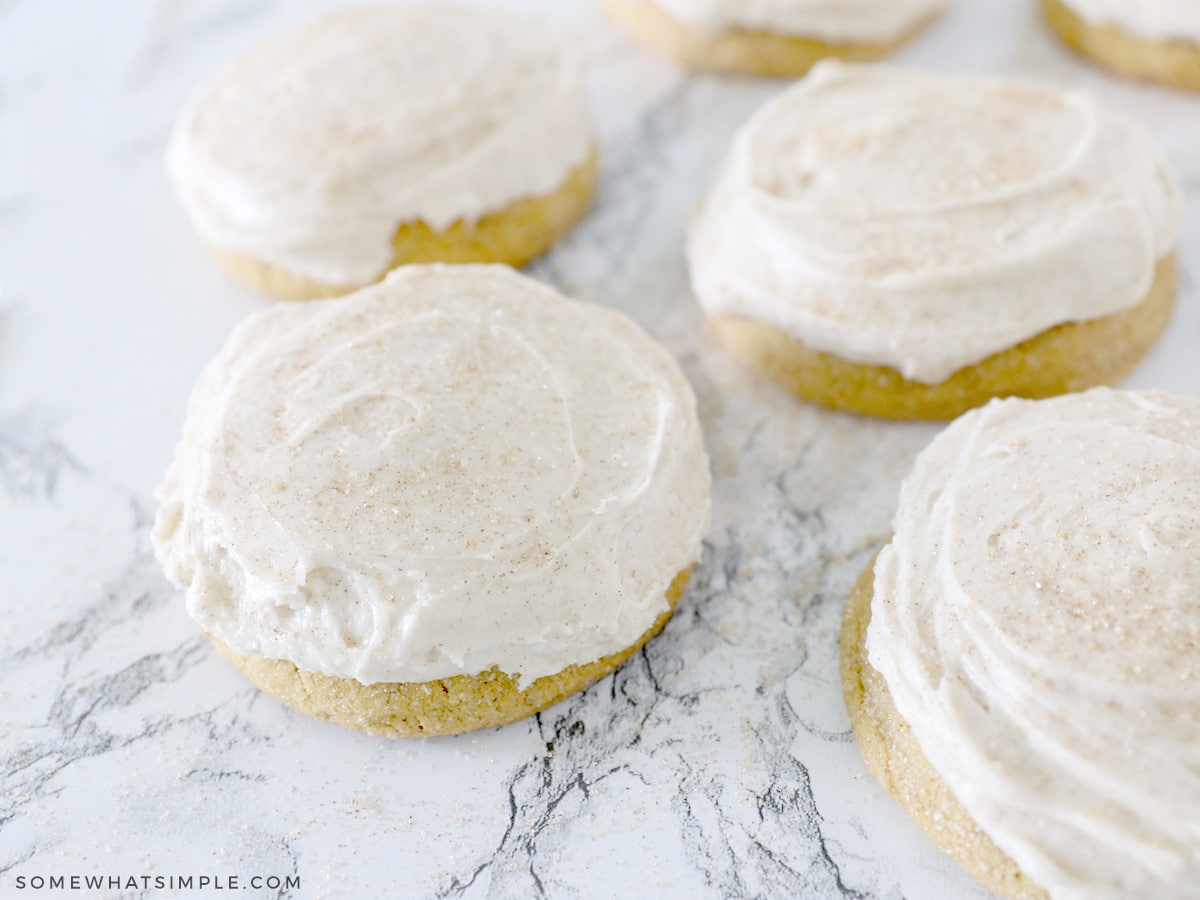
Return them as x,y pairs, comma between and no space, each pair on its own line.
747,52
423,709
894,756
1070,357
1175,63
514,235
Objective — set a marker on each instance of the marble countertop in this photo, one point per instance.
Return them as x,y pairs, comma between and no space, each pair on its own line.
717,763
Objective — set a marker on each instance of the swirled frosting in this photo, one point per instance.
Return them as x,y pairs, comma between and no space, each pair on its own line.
901,218
1037,620
309,151
455,469
834,21
1161,20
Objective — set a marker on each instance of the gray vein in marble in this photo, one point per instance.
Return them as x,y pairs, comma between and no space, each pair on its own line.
70,731
31,460
788,806
583,737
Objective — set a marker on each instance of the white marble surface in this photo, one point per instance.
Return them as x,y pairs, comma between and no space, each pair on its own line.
717,763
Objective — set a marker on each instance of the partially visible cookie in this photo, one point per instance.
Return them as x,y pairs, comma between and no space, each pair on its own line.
1157,40
1019,663
909,245
376,137
893,755
772,37
441,503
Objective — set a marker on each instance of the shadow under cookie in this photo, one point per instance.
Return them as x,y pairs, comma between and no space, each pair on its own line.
740,50
1175,63
423,709
894,757
521,231
1069,357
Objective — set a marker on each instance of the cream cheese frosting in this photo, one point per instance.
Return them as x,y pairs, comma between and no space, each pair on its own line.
309,151
1037,620
833,21
455,469
1159,20
906,219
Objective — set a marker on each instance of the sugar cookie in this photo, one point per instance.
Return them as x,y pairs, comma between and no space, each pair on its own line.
905,244
440,503
374,137
1020,661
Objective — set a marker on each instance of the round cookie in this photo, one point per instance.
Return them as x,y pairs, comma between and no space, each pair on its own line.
1018,662
1157,41
382,136
909,245
782,39
441,503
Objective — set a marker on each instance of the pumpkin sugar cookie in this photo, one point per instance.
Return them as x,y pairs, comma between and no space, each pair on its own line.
1020,662
441,503
905,244
375,137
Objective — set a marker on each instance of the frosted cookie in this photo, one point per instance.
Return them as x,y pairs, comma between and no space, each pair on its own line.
904,244
1154,39
442,503
1020,663
370,138
772,37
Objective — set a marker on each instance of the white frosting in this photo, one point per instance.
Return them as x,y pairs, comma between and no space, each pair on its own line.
455,469
1158,20
1037,620
310,150
906,219
832,21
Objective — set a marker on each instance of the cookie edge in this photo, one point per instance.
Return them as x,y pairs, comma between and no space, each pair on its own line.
444,706
1064,359
894,757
